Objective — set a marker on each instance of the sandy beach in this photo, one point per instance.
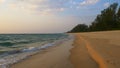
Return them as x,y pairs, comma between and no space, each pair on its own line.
89,50
96,50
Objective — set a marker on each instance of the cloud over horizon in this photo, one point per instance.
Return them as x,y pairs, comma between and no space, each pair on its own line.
47,7
48,15
41,6
107,4
89,2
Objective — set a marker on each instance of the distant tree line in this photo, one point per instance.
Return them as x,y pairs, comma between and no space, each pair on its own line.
109,19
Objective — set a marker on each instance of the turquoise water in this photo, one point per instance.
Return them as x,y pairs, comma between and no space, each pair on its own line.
15,47
9,40
13,41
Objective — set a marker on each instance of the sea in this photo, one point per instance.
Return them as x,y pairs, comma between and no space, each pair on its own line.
17,47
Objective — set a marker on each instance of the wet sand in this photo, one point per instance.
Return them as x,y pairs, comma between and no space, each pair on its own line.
54,57
96,50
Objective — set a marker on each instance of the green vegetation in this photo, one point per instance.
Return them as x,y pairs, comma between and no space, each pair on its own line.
109,19
80,28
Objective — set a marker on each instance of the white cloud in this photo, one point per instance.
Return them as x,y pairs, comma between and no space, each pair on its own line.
106,4
89,2
48,6
2,1
40,6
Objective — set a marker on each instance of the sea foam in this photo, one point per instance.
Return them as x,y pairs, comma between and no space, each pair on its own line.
17,56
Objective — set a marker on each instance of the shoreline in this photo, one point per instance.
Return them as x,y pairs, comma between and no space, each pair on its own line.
58,55
17,56
87,50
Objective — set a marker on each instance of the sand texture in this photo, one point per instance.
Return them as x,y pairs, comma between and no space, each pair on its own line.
96,50
54,57
90,50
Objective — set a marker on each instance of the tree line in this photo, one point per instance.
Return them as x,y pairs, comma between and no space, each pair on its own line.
109,19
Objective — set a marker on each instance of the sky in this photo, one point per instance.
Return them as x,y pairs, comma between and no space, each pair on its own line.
48,16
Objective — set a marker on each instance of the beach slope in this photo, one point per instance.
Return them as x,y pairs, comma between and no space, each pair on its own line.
90,50
96,50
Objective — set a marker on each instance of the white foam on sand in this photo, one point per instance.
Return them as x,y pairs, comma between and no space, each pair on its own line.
6,61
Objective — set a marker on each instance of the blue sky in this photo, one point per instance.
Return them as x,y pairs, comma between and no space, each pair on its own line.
48,16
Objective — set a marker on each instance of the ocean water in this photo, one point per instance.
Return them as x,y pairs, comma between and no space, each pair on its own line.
16,47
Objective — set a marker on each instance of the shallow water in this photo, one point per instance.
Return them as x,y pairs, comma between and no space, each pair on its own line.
16,47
